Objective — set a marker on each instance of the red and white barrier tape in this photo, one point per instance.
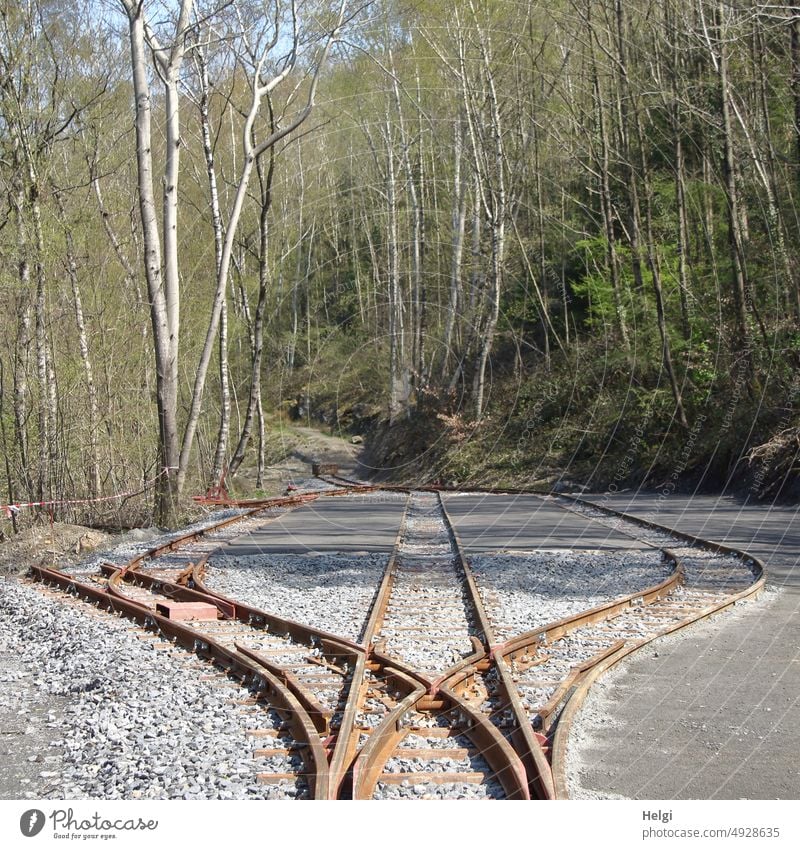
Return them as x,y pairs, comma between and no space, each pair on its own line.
12,509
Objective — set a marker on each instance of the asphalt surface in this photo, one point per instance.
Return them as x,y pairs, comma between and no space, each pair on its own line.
714,712
346,524
771,533
711,713
488,523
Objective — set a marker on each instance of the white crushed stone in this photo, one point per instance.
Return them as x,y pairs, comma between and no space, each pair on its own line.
329,591
491,789
141,722
524,590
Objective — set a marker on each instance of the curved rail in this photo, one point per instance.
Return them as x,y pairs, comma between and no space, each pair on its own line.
269,688
383,699
537,768
580,689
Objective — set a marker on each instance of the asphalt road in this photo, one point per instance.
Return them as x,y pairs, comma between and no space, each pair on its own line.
526,523
771,533
347,524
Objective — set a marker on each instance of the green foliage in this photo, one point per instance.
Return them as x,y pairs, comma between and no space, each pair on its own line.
420,80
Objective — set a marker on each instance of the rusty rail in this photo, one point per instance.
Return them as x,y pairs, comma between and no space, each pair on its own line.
534,760
337,768
270,688
576,696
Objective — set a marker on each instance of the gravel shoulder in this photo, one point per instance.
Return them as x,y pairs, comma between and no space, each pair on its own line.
91,725
31,745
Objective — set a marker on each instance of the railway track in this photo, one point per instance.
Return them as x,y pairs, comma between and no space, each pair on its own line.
427,631
429,702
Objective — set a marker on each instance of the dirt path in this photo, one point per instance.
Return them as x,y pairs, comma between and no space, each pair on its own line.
303,446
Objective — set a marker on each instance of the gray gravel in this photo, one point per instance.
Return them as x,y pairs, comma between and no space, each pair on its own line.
406,790
121,734
428,620
525,590
326,591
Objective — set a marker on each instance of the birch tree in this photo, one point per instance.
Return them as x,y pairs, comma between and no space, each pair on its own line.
265,74
161,259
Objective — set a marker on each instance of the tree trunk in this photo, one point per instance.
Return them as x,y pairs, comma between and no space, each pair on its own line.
459,218
217,469
254,398
541,291
45,413
6,452
92,428
23,325
497,207
735,239
251,152
653,264
606,201
131,279
397,394
630,176
683,225
164,341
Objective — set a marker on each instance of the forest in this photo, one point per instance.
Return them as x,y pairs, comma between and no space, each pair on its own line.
510,242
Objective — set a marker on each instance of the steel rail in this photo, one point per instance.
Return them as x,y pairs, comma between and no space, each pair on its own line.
252,508
367,766
346,741
194,536
518,646
339,480
502,757
521,646
336,768
757,567
270,688
521,652
427,694
534,760
575,684
577,694
331,647
308,717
